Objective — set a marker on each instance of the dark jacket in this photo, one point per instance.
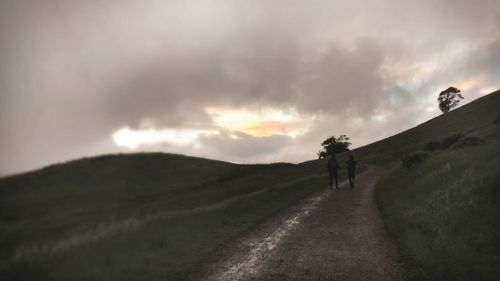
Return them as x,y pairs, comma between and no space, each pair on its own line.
332,165
351,166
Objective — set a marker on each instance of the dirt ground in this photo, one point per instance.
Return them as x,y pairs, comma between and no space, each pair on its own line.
334,235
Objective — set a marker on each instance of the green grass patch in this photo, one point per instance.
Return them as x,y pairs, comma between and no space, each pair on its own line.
138,217
444,214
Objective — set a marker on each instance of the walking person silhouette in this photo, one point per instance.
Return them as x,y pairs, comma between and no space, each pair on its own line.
351,170
333,167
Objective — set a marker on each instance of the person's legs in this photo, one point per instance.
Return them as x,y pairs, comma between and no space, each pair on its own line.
336,180
331,180
350,173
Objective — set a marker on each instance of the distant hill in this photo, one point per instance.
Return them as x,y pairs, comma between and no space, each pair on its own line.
156,216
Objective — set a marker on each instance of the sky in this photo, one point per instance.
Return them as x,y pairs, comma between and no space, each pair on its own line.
248,81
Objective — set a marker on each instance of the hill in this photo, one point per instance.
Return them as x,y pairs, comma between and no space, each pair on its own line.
138,216
444,212
478,118
152,216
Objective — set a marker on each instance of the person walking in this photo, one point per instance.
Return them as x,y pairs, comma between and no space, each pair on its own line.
351,170
333,167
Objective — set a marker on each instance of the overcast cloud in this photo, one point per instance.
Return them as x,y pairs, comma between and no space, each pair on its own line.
243,81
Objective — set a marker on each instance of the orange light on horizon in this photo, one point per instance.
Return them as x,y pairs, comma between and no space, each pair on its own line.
260,123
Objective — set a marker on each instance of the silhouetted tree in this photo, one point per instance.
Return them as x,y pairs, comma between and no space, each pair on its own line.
333,145
449,98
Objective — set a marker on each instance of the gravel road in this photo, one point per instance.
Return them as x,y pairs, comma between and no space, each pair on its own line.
334,235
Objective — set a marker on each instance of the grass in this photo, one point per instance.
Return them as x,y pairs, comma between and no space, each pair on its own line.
444,214
137,217
157,216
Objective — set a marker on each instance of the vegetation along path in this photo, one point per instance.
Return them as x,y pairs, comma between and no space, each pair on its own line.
334,235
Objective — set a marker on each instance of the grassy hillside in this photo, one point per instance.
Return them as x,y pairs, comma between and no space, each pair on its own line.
480,118
444,213
156,216
136,217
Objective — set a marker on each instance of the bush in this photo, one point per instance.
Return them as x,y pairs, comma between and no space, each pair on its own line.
414,159
455,141
432,146
468,141
451,140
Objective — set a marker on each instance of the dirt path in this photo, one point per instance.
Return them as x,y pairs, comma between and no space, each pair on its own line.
334,235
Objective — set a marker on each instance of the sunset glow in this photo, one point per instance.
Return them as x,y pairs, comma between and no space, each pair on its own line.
260,123
256,123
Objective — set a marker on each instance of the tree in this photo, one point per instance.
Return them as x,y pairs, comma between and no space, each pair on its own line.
333,145
449,98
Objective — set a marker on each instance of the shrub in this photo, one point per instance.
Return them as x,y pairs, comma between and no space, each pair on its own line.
414,159
468,141
451,140
432,146
456,141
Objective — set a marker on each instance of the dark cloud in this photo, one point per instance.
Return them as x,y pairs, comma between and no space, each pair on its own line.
484,59
277,74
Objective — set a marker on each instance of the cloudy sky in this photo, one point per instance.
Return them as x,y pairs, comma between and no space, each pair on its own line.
242,81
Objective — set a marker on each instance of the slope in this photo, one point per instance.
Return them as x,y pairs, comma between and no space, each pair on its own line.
444,212
135,217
